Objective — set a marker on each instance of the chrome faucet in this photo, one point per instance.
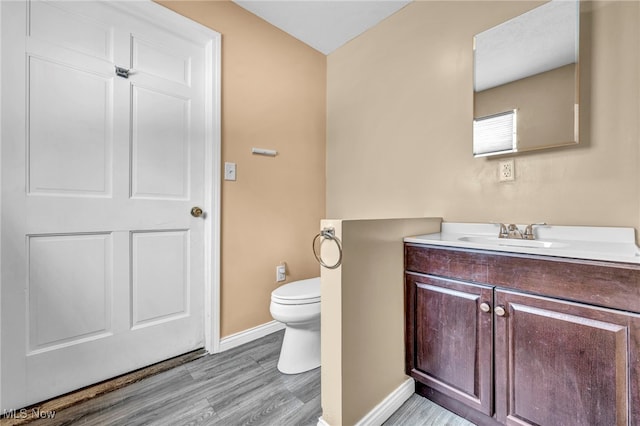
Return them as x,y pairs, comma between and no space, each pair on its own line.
512,231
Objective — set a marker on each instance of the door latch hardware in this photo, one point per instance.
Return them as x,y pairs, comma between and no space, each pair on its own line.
122,72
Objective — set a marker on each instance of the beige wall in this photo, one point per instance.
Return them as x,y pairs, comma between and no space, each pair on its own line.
273,96
399,102
363,315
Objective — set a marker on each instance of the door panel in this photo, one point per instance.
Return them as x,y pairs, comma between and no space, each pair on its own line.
173,63
79,304
160,145
69,29
444,327
70,118
160,260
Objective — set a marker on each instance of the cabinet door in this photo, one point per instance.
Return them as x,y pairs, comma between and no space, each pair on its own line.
449,338
561,363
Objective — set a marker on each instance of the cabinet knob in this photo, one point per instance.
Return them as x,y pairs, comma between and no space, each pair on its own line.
499,310
484,307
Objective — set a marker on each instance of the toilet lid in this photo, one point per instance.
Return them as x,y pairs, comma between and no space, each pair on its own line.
298,292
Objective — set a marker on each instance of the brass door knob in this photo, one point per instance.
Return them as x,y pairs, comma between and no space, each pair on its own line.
485,307
196,212
499,310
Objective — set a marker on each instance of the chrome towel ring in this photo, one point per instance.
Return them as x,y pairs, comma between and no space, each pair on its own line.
330,234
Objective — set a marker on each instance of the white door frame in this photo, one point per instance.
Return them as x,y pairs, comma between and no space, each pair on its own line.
187,28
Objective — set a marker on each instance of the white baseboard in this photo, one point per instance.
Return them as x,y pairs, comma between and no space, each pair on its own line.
249,335
389,405
321,422
381,412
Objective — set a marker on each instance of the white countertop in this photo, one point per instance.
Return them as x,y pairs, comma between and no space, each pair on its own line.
577,242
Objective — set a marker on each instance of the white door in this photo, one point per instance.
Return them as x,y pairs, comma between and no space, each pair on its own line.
102,263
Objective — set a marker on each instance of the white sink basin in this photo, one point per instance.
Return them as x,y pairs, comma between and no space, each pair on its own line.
513,242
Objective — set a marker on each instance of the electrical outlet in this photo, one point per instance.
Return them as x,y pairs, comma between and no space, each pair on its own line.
281,273
229,171
506,170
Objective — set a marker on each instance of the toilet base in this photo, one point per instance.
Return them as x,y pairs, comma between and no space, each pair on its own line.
300,350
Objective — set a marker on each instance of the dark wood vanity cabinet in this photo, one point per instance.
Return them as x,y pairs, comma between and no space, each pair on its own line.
484,344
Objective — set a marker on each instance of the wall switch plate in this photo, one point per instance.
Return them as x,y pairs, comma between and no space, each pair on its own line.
506,170
229,171
281,273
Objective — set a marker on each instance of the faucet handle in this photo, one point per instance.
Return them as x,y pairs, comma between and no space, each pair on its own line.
528,231
503,233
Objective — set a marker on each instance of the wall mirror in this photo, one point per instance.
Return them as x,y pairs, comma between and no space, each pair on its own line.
526,81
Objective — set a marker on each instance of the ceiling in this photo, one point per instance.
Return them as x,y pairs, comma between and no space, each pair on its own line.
324,25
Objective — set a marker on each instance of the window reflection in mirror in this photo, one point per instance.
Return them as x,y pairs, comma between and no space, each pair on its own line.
530,64
495,134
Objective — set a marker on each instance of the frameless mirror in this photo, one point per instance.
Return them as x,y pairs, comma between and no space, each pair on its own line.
526,81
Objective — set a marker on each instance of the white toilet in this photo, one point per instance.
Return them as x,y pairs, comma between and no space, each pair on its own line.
297,305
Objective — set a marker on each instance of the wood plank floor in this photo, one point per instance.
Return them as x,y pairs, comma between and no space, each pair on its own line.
420,411
241,386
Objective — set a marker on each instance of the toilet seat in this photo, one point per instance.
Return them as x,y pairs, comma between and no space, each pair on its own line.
298,293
